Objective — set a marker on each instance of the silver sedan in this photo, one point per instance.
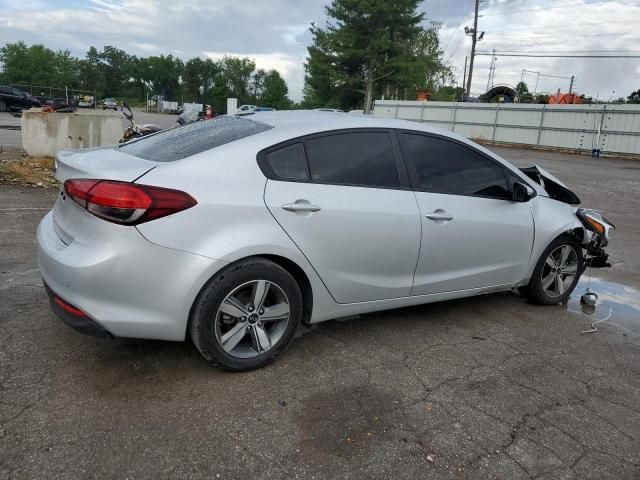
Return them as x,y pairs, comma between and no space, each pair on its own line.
235,230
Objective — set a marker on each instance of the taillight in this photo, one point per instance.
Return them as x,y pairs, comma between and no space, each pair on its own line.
126,203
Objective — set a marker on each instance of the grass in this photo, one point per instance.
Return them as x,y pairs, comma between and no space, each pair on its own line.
28,171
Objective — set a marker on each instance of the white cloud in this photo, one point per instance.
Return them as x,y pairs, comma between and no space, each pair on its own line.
275,33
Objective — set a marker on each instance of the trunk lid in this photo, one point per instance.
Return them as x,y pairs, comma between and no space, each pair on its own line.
104,163
554,187
70,221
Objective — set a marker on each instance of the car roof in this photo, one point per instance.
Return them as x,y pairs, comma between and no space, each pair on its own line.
304,122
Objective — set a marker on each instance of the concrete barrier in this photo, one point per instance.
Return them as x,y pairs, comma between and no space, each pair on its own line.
43,134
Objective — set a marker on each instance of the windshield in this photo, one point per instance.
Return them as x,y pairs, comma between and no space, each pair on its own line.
181,142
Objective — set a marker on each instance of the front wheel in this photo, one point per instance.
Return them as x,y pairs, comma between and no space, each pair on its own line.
557,272
247,315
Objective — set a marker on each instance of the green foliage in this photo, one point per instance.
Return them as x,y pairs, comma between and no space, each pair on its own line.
112,72
369,47
522,88
37,65
274,92
634,97
448,93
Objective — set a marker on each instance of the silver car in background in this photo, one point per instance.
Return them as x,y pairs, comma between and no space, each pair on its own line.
235,230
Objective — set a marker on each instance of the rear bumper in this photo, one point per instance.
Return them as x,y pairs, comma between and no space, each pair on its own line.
126,285
82,324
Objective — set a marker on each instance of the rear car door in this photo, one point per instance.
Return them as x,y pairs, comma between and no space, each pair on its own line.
344,198
473,234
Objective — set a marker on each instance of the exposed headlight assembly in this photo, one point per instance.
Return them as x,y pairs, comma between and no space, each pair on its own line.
594,221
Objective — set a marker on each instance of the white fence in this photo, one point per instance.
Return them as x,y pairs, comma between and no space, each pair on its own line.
613,129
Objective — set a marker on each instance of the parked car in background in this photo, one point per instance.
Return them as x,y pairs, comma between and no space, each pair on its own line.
335,110
109,104
12,99
316,217
246,108
255,110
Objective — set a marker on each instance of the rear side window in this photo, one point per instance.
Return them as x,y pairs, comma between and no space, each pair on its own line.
444,166
356,158
289,163
181,142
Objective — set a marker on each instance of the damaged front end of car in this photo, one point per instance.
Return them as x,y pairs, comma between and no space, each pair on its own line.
597,228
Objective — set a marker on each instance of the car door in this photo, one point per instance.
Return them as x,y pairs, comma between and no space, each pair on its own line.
473,234
344,199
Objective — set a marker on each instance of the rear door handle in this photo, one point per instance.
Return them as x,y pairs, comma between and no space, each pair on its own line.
301,206
439,216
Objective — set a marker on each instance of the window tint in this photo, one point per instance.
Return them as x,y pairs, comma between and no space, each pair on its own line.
448,167
181,142
358,158
289,162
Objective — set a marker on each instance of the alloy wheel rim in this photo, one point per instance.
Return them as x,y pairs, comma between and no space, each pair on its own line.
559,270
252,319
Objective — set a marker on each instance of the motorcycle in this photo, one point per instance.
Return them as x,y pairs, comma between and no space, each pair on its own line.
135,130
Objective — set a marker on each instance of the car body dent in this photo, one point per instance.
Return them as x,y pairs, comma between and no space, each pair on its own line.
559,218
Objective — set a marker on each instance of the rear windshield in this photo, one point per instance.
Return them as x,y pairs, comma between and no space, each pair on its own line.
181,142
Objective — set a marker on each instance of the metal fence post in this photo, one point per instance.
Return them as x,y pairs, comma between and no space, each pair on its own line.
604,113
397,108
495,123
453,120
422,113
544,109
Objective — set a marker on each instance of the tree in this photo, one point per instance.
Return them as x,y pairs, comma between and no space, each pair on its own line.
116,69
34,65
366,46
257,84
634,97
522,89
274,91
448,93
236,74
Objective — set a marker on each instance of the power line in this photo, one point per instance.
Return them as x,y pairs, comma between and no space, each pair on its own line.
553,7
455,30
550,55
560,35
570,51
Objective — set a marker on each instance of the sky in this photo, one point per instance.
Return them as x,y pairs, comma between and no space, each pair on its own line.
275,33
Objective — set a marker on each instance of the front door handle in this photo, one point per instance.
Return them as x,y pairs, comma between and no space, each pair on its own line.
301,206
439,216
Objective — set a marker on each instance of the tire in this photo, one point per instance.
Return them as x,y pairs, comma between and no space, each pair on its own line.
234,339
539,290
3,106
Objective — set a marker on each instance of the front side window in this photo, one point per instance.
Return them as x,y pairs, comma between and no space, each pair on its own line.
444,166
354,158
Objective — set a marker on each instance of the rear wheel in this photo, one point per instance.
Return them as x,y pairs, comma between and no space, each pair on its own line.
557,272
247,315
3,106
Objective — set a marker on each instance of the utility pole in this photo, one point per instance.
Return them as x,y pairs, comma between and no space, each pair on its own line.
464,78
474,38
571,84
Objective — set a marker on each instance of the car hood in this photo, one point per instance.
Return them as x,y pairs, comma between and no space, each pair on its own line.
554,187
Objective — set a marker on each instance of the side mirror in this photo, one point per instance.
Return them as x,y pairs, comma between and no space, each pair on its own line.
522,193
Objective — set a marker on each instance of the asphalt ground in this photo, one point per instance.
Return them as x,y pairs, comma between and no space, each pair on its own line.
485,387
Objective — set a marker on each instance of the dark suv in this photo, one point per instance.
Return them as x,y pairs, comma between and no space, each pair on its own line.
14,99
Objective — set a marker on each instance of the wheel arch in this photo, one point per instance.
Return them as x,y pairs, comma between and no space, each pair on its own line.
289,265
